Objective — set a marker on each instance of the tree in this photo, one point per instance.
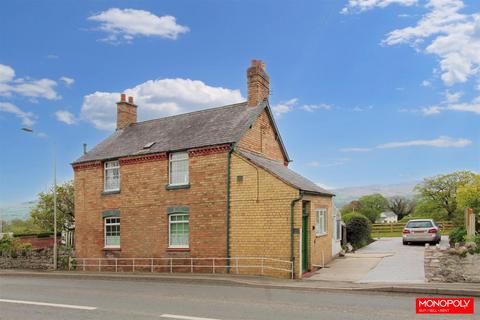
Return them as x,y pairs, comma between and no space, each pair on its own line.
401,206
442,189
352,206
468,196
42,214
372,205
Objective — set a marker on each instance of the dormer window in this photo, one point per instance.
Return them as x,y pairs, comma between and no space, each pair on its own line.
178,168
111,176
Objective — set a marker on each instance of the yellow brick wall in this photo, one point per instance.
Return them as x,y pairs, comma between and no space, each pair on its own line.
260,138
260,217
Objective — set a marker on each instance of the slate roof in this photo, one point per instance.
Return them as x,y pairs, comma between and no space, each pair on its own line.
206,127
284,173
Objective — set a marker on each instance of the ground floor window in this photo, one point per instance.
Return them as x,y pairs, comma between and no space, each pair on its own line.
179,230
321,222
112,232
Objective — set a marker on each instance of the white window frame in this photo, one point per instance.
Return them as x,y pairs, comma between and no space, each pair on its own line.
321,222
105,169
105,223
170,245
170,167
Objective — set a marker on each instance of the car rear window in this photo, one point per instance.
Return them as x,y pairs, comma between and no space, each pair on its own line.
419,224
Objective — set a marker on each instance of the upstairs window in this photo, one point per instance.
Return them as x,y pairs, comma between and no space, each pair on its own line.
112,176
321,222
178,168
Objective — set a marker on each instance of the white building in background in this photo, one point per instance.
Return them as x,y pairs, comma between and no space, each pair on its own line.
337,231
387,217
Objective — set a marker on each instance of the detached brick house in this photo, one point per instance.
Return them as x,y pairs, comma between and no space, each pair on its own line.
210,183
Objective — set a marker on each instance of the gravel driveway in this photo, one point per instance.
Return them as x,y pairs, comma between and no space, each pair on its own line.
385,260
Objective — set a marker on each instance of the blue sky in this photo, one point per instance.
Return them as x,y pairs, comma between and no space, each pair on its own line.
365,92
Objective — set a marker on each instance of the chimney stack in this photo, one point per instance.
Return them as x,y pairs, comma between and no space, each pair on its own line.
126,112
258,83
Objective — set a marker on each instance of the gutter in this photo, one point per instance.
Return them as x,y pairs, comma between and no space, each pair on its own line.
292,215
229,162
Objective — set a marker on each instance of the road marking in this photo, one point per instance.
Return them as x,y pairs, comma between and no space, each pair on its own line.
176,316
57,305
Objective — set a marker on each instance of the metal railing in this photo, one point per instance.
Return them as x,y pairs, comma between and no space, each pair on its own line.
237,265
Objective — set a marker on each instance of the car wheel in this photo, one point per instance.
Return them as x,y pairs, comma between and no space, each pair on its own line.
405,243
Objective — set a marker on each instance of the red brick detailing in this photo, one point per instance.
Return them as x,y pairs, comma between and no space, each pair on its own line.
86,165
143,158
208,150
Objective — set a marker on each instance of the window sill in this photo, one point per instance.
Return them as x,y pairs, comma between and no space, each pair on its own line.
178,249
318,235
178,186
112,249
106,193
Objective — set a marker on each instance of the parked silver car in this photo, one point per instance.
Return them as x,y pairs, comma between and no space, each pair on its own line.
421,230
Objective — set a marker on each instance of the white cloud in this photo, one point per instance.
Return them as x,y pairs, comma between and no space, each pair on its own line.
157,98
364,5
313,107
6,73
428,111
362,109
451,97
123,25
441,142
473,106
448,34
426,83
43,88
65,117
284,107
67,81
26,117
326,164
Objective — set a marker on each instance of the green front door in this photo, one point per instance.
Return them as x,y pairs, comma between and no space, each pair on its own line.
304,243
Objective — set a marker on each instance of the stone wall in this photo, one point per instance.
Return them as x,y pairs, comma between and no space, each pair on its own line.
447,265
36,259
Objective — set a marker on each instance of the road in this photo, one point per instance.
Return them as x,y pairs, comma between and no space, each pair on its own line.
386,260
126,299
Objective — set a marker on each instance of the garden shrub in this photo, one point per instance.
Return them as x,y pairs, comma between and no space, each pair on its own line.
347,217
358,230
458,235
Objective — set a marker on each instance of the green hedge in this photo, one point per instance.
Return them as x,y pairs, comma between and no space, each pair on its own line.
358,229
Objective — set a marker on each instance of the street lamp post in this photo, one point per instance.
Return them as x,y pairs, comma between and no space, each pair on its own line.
54,203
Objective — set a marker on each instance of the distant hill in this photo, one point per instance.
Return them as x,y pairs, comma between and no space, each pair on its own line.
17,210
345,195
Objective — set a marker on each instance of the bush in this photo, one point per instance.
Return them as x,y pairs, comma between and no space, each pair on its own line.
458,235
347,217
358,230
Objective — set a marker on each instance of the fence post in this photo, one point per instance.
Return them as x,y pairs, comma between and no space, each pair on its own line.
236,264
213,265
99,265
83,264
116,265
171,267
262,266
191,265
391,227
69,263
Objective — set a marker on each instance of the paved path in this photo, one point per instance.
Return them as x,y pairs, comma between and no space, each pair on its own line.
53,298
385,260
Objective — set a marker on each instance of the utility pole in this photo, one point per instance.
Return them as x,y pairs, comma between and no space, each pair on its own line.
54,202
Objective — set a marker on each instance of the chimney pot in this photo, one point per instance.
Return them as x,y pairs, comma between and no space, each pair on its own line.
126,112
